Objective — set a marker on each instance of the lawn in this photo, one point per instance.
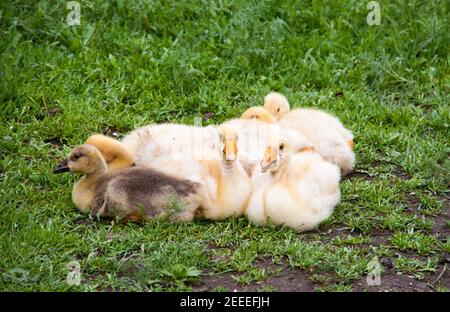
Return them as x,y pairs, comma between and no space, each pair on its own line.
131,63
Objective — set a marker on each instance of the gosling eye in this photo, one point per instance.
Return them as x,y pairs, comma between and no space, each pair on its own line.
76,156
278,110
281,146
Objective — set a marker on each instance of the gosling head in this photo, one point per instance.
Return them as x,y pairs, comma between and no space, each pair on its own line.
275,156
277,104
258,113
84,159
228,141
280,150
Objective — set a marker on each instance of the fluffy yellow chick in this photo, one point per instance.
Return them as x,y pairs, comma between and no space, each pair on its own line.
225,184
277,104
327,134
294,187
258,113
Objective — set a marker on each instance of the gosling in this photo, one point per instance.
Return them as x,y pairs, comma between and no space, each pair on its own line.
129,194
295,187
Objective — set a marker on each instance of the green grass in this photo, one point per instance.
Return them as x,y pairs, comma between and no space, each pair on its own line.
132,63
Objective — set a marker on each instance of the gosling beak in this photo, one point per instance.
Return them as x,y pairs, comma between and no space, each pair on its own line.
307,149
62,167
350,144
230,149
270,157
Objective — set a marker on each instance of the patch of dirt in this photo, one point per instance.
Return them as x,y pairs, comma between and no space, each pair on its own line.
214,245
286,280
56,142
440,227
380,236
208,115
377,236
401,174
339,93
414,203
54,111
297,280
393,282
112,132
357,174
83,221
380,162
425,106
282,277
334,233
444,197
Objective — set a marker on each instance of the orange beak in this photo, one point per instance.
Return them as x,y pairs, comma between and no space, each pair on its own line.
307,149
230,150
350,143
270,156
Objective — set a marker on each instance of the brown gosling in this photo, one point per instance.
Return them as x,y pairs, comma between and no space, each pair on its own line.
130,194
115,153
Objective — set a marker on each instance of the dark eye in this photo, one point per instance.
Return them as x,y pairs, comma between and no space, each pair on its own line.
278,110
281,146
76,156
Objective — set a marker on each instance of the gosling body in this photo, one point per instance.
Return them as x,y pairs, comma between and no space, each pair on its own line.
136,193
327,134
293,188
